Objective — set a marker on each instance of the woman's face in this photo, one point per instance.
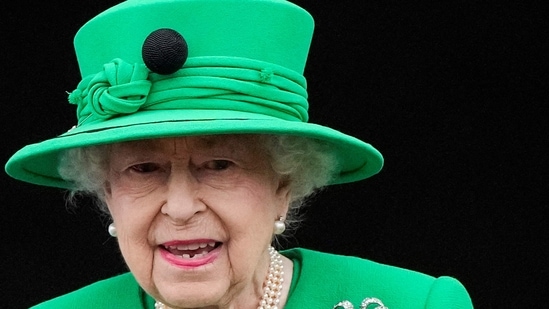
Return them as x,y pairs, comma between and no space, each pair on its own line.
194,216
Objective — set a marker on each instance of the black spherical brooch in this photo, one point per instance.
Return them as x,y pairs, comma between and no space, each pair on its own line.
164,51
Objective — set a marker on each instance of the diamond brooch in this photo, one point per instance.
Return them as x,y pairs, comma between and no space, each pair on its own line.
364,305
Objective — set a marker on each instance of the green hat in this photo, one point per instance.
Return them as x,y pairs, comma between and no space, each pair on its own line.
160,68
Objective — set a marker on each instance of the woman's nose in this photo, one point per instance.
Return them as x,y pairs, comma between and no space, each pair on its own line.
182,197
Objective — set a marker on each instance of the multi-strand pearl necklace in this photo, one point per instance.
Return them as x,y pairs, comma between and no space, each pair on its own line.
272,288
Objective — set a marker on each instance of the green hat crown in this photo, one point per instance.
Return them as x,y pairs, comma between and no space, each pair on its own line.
272,31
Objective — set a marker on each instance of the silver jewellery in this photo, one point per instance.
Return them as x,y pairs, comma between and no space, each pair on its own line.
272,287
159,305
279,226
112,230
364,305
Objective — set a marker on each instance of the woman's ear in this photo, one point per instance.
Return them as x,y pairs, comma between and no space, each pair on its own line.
107,190
284,193
283,185
107,196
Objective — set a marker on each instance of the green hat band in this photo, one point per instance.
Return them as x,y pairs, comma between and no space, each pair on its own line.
251,86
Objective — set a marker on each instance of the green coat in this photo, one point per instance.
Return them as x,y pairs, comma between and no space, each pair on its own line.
320,280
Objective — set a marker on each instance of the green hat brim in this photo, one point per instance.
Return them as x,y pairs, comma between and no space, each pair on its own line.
37,163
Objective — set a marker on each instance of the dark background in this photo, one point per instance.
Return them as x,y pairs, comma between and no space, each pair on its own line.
455,96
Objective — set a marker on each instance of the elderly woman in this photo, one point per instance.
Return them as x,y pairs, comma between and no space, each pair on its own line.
192,134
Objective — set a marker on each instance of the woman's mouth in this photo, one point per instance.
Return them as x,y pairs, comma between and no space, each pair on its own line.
191,251
190,254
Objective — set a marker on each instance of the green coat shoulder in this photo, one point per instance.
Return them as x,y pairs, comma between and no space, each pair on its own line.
324,279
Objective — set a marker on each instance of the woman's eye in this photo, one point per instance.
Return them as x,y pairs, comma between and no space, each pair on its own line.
218,165
145,167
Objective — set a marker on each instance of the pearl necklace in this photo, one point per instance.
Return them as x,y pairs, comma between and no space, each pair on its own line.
272,288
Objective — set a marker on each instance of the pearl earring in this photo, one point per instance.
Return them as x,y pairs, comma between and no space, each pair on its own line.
112,230
279,226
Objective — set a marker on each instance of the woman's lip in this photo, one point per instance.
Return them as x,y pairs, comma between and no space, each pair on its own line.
181,262
188,242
